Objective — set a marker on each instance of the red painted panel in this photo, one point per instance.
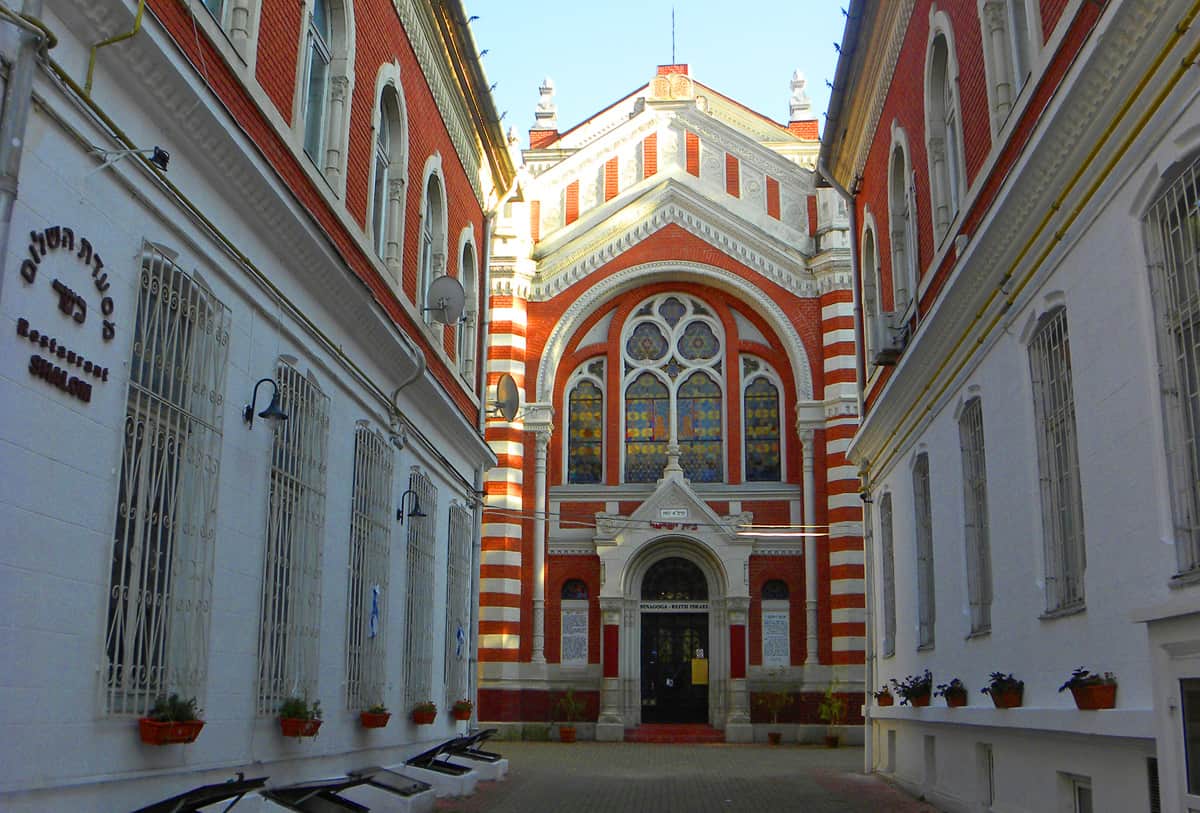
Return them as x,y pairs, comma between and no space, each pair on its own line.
612,650
737,650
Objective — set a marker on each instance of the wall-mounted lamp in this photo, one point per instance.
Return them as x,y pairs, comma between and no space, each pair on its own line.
413,511
272,412
158,157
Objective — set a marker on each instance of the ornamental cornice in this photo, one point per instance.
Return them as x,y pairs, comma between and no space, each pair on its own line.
1085,107
883,81
422,35
560,270
631,278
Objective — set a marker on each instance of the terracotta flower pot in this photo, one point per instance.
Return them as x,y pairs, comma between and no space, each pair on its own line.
1099,696
154,732
423,717
566,733
920,700
296,727
374,719
886,700
956,700
774,737
461,714
1007,698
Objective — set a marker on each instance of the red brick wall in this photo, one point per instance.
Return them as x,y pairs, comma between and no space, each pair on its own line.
560,569
571,207
733,181
650,155
693,154
278,41
610,179
772,198
790,570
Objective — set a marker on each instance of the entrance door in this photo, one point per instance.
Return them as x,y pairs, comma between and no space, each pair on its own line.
670,642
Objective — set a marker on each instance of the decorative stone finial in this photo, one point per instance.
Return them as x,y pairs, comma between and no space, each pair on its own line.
546,114
801,107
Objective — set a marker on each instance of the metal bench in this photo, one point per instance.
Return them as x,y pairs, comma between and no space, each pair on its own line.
206,795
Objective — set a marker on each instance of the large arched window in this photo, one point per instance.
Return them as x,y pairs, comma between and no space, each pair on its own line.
433,241
1006,54
673,389
387,184
944,138
324,87
760,412
585,424
902,215
674,579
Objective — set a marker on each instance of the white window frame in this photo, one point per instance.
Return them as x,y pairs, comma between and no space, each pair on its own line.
1065,558
923,545
1006,28
388,194
323,137
432,255
290,609
887,555
316,47
975,515
1173,259
160,590
466,334
459,600
367,593
872,284
902,220
943,130
422,572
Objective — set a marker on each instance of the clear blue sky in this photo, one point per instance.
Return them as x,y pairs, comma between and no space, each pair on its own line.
598,52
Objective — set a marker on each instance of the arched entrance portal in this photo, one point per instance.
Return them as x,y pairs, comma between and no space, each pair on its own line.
674,637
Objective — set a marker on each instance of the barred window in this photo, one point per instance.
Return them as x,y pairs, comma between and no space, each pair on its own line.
458,604
418,642
975,516
923,517
367,592
1058,462
887,555
289,628
1173,246
162,550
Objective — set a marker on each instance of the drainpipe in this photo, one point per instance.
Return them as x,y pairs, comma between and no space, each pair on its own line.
17,101
476,562
484,319
137,26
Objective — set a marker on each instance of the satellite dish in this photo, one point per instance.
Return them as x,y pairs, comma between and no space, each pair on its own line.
446,300
508,397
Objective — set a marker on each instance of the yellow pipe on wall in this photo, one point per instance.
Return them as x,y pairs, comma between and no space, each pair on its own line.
1180,29
137,26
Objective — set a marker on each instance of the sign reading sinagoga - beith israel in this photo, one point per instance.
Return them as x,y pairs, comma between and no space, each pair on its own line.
67,362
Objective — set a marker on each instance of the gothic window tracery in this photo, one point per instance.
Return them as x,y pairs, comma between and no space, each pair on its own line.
760,411
585,424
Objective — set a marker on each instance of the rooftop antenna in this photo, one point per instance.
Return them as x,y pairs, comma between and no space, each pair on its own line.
672,35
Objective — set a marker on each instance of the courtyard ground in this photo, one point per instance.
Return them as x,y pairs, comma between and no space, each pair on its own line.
589,777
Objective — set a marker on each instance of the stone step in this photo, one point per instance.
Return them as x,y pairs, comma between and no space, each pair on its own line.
675,733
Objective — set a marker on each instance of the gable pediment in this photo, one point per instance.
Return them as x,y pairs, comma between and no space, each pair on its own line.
673,507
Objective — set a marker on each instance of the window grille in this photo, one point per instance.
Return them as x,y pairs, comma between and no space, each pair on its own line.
1058,462
418,644
1173,244
289,628
458,603
975,516
367,593
162,552
887,554
923,516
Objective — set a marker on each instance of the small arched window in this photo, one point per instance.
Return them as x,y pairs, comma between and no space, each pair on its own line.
387,190
575,590
466,325
760,413
585,424
433,240
902,215
870,286
775,590
944,137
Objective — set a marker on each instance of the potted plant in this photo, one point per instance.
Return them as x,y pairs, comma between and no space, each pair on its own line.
832,710
914,690
376,716
424,713
773,703
461,710
884,696
171,720
571,709
1092,691
1006,691
954,692
299,718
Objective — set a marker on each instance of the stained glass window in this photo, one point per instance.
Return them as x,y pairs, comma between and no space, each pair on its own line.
699,426
646,343
762,431
698,342
672,310
647,428
585,434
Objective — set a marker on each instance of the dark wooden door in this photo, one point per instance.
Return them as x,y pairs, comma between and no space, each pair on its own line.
670,641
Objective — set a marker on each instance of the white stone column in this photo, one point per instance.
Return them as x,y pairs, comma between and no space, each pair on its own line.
395,226
338,88
610,727
807,438
542,442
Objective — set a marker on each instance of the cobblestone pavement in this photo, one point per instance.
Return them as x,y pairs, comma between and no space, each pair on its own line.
590,777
